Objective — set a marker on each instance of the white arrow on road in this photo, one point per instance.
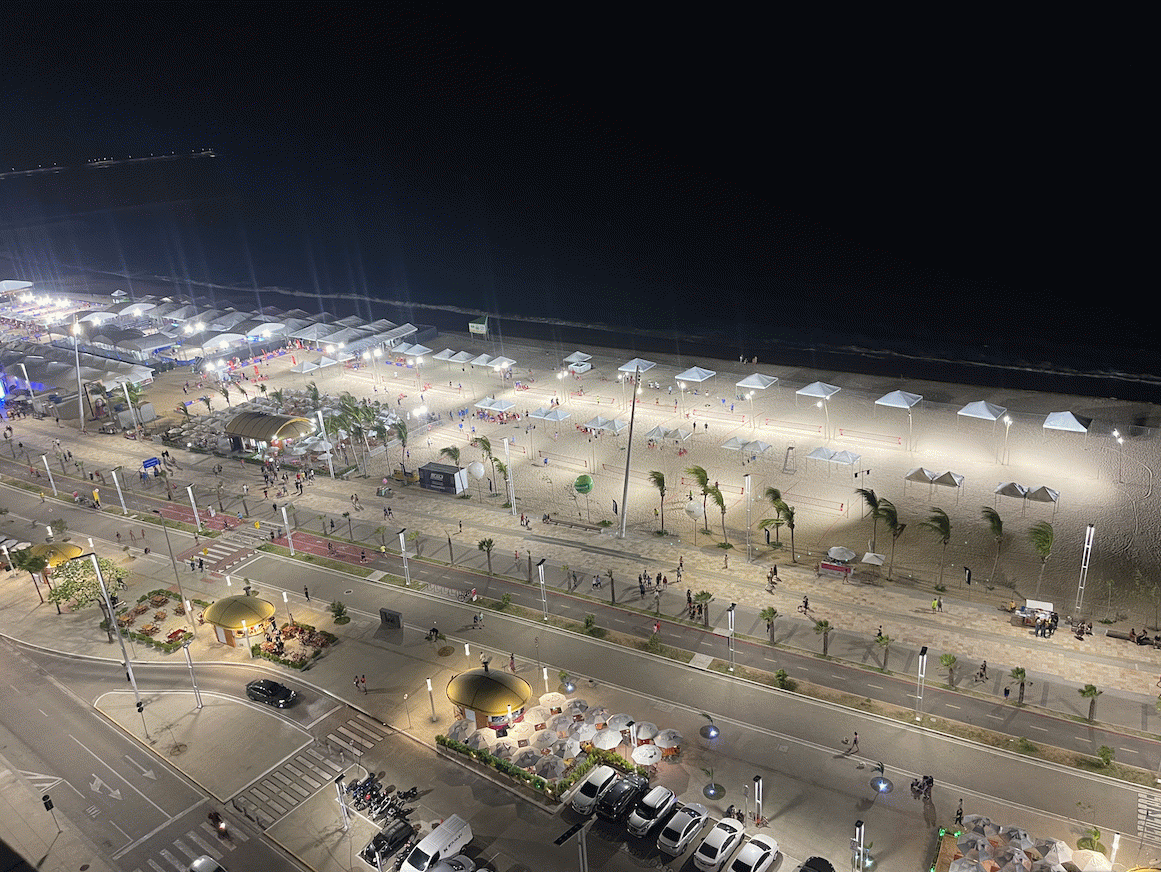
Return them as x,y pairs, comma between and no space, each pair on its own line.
99,786
148,773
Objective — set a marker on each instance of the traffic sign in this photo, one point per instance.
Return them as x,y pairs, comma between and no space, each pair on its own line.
152,461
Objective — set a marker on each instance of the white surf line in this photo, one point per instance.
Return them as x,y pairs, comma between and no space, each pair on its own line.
120,776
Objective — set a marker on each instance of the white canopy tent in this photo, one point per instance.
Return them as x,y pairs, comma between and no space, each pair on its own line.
1069,422
734,444
757,381
983,410
578,357
950,479
696,374
637,364
817,391
901,400
1044,494
919,474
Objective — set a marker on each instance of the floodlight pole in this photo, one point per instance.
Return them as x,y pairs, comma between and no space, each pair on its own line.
749,509
1085,555
77,353
51,480
543,593
629,453
117,484
403,554
919,682
120,638
176,574
193,505
509,476
331,450
289,538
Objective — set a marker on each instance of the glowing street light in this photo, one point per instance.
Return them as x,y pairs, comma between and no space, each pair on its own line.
822,404
1007,427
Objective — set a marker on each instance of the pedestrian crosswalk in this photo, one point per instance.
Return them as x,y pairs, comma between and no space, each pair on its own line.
282,789
222,552
195,842
1149,816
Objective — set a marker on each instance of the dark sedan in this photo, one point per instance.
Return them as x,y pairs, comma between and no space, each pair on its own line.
386,843
270,692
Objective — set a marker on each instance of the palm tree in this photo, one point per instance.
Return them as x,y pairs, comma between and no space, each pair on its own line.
262,389
1090,693
702,478
872,502
452,453
658,481
224,390
884,642
209,404
940,524
399,431
33,564
485,446
775,497
242,390
996,525
313,392
704,598
502,468
788,517
824,628
1018,674
716,493
278,397
486,545
890,516
769,615
948,662
1042,537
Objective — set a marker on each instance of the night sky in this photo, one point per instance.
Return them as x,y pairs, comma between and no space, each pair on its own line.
940,188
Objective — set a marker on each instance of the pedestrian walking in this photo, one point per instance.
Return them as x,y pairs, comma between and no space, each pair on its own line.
934,603
657,627
641,586
356,681
201,565
306,592
688,597
512,663
939,603
855,743
461,526
363,682
192,565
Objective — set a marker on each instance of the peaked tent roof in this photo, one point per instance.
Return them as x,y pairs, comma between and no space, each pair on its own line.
757,380
818,389
461,357
733,444
920,474
578,357
1043,494
982,409
1011,489
637,363
1069,421
696,374
446,354
898,400
949,479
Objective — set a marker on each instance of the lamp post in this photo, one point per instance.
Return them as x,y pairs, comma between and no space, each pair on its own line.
51,480
749,510
120,638
1084,558
117,484
543,595
28,384
920,680
176,574
750,397
822,404
1120,452
193,505
431,696
289,537
857,844
343,806
286,602
628,452
331,450
192,678
730,628
77,353
1007,427
509,476
403,554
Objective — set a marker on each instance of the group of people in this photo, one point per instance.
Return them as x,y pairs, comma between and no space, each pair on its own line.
1046,624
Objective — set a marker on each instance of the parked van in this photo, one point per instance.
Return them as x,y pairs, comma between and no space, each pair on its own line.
444,841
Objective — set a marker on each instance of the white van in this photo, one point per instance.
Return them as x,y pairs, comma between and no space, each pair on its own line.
444,841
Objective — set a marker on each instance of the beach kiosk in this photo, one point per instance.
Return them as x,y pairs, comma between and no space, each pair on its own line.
443,478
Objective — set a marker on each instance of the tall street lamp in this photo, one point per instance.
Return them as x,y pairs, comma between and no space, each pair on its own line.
543,595
77,354
403,554
192,678
176,574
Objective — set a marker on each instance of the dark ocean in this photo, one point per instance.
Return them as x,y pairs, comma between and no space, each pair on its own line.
636,263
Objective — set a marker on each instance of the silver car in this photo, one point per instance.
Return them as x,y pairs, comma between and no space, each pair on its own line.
682,828
590,790
717,847
650,810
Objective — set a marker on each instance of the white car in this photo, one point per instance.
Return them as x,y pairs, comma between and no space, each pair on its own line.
716,847
650,810
757,855
590,790
681,829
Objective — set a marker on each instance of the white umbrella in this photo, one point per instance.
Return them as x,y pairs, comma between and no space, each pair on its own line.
570,749
646,755
839,552
585,732
478,740
646,730
607,739
560,722
619,722
551,767
526,757
504,749
522,730
597,715
668,739
537,715
461,729
545,740
576,706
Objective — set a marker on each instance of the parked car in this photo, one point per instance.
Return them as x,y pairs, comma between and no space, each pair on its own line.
591,788
718,845
206,864
618,798
681,829
757,855
650,810
270,692
816,864
458,863
386,843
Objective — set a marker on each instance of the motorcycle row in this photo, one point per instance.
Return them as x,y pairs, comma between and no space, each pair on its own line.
384,804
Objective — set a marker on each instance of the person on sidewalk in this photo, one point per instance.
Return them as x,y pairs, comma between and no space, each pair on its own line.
306,592
512,663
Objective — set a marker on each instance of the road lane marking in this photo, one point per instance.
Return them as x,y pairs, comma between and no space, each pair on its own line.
119,775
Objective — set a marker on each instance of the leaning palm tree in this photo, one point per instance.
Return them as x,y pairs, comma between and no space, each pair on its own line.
702,478
890,516
502,468
208,403
658,481
1042,536
996,525
872,503
940,524
399,431
452,453
1090,693
486,545
313,392
788,518
716,493
769,615
884,642
775,497
485,446
224,390
824,629
1020,674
